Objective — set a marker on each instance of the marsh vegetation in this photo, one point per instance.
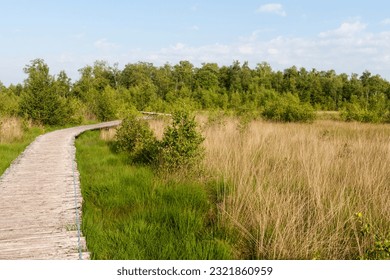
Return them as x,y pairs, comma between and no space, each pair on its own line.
265,191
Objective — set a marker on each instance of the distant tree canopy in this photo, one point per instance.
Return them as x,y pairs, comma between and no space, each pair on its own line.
105,92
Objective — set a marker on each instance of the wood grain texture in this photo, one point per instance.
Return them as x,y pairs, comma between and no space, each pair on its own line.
37,199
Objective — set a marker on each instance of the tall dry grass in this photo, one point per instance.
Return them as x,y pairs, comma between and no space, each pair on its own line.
11,129
156,125
108,134
291,191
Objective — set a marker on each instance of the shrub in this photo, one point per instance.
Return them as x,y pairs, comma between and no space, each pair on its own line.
355,111
288,108
180,148
39,101
136,138
77,110
9,105
106,104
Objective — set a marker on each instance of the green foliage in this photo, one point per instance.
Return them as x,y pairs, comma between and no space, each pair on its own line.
143,96
287,108
62,85
9,103
106,104
372,244
354,112
129,213
376,109
136,138
40,102
180,148
106,92
77,110
207,76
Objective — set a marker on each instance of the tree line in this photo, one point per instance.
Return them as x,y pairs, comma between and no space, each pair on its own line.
105,92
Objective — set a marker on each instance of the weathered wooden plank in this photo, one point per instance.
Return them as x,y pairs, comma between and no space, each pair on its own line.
37,199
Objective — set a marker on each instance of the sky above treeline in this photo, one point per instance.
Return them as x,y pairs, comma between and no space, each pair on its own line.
349,36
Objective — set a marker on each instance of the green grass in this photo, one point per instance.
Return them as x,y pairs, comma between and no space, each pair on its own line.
129,213
10,151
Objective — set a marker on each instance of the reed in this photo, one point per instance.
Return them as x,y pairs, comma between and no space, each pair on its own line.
11,129
292,191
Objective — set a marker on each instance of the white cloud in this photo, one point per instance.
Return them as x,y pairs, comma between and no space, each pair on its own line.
178,47
104,45
246,49
272,8
386,21
345,29
350,48
273,51
195,28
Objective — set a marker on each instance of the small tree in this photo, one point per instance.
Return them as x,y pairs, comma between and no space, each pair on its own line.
106,104
40,102
180,147
136,138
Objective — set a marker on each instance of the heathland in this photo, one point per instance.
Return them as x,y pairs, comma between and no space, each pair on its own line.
265,191
286,164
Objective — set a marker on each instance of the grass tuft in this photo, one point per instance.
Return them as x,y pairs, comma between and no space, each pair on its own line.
129,213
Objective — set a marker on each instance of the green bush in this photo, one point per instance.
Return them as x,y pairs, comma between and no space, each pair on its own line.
106,104
46,108
136,138
288,108
9,105
180,148
354,112
40,101
375,111
78,111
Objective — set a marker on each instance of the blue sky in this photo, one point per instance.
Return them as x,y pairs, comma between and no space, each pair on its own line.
348,36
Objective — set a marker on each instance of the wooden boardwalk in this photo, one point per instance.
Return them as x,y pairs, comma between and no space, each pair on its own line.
40,200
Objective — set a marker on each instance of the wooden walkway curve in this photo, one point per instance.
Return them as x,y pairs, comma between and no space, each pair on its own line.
37,199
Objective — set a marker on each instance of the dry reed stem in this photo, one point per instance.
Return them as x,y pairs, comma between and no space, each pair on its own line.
158,126
108,134
292,189
11,129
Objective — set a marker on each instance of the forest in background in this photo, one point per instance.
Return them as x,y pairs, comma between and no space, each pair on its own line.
269,189
104,92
